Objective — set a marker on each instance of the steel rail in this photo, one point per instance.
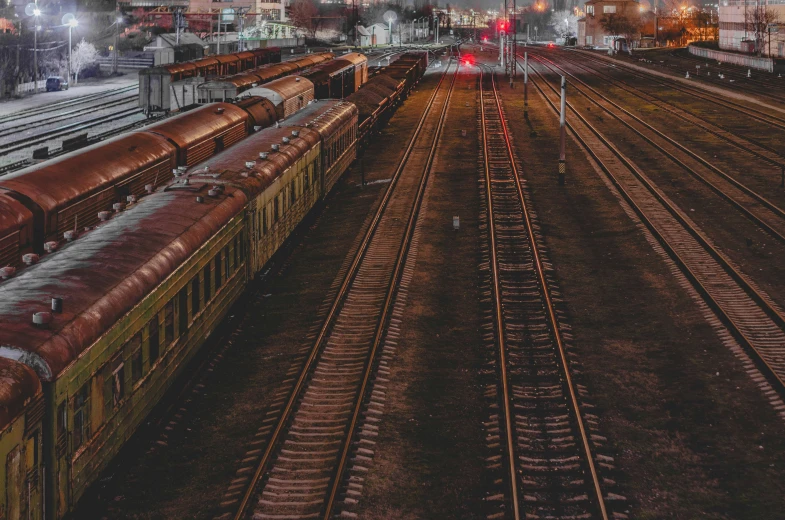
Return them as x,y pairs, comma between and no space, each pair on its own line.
702,123
65,115
64,104
389,299
768,371
553,321
15,146
711,98
776,210
337,302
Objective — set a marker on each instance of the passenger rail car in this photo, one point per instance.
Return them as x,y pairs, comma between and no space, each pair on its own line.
288,95
157,90
42,204
230,87
138,294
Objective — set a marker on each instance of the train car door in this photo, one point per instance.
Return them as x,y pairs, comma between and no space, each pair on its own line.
14,484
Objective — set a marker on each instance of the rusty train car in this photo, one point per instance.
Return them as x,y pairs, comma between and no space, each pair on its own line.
163,88
45,203
340,77
230,87
95,332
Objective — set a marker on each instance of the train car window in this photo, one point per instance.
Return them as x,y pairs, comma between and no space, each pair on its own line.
242,247
169,322
182,305
135,348
264,220
307,180
226,262
117,380
218,280
195,295
153,339
81,416
207,283
292,193
236,253
137,369
275,209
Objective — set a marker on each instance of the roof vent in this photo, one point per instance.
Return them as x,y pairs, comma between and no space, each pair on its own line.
131,199
7,272
70,235
285,140
149,188
219,110
199,199
57,304
186,181
42,319
206,169
275,147
119,206
250,164
103,216
254,84
297,80
295,133
213,193
30,258
262,155
50,247
256,128
176,172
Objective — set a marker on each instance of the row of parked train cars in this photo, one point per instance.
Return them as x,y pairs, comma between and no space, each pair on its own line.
177,86
133,250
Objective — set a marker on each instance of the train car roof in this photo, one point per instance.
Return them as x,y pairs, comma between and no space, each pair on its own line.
245,55
105,273
355,57
230,166
226,58
18,385
282,89
53,182
261,110
13,215
198,123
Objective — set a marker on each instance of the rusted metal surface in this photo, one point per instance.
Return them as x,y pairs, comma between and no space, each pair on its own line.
63,180
198,126
18,385
261,112
288,94
16,230
328,122
105,273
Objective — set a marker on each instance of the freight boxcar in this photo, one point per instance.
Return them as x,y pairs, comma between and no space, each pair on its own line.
172,87
340,77
288,94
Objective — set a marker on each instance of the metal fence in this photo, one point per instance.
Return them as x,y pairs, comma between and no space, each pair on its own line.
752,62
107,62
22,88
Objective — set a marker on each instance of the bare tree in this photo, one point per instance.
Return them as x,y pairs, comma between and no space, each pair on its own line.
619,24
83,55
564,24
304,14
757,20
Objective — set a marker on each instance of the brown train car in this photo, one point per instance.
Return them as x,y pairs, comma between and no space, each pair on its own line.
108,173
288,94
198,134
16,231
261,112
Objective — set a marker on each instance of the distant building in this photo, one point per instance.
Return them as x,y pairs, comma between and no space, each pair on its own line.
590,30
376,34
737,32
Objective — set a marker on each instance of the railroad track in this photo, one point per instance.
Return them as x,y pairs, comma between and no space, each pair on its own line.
758,115
752,205
749,315
22,114
762,151
549,452
301,471
65,115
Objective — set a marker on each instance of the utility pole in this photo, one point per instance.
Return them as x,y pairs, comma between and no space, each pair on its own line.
218,37
563,132
526,85
117,21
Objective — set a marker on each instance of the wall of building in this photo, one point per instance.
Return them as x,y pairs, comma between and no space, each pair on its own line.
732,26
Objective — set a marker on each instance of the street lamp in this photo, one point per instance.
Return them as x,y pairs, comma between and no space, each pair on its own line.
71,22
390,17
34,11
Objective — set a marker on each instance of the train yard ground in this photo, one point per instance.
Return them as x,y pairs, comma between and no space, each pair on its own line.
652,281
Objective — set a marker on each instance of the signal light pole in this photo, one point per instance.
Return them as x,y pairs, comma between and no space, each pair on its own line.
563,132
526,85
